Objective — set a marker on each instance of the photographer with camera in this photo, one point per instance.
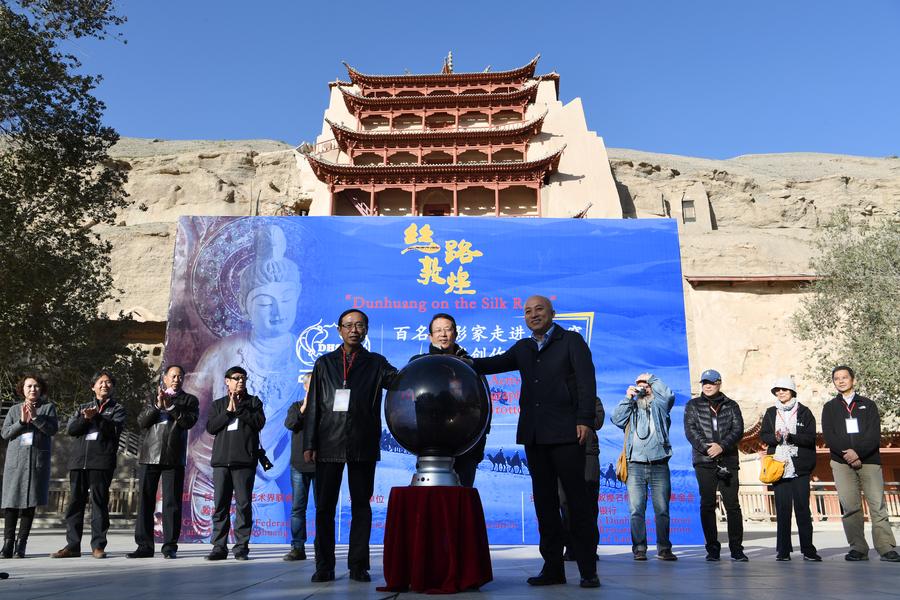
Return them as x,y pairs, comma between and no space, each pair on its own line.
235,421
645,411
713,425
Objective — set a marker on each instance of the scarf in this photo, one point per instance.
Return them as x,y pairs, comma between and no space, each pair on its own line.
786,422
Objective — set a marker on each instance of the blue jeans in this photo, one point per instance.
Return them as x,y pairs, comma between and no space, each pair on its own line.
656,475
300,483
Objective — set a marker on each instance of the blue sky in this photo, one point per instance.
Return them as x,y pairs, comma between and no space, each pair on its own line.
702,78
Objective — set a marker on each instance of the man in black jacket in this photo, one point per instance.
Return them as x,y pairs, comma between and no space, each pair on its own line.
851,426
96,427
713,425
442,335
235,421
165,421
303,474
557,407
343,426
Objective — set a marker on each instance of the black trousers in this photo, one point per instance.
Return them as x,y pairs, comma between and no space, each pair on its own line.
709,483
81,481
172,490
593,490
236,481
793,494
361,481
22,516
564,462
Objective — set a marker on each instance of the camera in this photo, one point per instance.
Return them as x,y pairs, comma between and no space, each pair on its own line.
640,392
264,461
722,471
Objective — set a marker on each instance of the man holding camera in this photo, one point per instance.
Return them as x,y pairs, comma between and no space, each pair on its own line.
713,425
644,414
235,421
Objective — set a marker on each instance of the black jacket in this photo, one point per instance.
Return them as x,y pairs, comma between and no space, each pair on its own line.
559,388
698,429
101,452
866,443
476,451
294,422
236,448
804,439
165,436
354,435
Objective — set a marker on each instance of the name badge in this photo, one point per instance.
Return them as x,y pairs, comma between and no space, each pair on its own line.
232,425
92,435
341,400
27,438
852,425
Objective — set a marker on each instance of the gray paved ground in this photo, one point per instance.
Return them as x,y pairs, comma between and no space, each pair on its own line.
267,577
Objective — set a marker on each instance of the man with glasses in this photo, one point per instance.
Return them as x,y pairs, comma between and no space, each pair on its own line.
442,335
235,421
343,426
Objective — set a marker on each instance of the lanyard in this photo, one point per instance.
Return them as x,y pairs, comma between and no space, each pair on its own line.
781,418
347,365
714,411
849,408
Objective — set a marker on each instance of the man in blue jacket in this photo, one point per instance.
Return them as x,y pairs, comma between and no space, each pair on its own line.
644,414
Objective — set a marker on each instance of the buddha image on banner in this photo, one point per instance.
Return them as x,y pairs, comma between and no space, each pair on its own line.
265,293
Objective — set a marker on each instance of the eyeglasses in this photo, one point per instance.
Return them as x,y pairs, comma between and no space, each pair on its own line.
355,326
446,330
238,378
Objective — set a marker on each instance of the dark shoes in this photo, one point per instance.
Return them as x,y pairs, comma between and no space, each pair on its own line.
322,576
712,558
7,550
242,555
640,555
590,582
739,557
783,557
666,555
360,575
140,553
170,554
217,554
295,554
547,579
66,553
812,557
20,548
890,556
98,553
854,556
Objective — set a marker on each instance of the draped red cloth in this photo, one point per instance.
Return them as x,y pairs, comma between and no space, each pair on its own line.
435,541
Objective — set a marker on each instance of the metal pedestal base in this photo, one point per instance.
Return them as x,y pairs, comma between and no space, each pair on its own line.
435,470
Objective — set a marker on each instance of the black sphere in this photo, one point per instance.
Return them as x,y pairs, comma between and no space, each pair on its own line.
437,406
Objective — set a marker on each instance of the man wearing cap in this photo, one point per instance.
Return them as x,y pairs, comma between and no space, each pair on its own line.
713,425
645,411
851,426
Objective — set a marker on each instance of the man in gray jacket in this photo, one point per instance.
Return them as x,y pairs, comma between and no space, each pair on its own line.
644,414
165,421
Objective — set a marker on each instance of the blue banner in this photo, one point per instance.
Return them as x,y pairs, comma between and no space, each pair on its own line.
616,282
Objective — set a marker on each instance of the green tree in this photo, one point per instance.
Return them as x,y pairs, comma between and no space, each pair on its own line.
57,182
852,314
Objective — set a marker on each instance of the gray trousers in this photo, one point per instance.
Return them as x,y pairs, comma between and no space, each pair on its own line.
870,481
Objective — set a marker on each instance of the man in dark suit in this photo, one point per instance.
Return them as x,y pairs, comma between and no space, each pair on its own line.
557,404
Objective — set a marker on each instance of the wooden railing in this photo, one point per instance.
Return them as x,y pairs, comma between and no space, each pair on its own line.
758,502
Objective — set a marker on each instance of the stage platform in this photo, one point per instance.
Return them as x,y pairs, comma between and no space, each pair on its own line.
266,577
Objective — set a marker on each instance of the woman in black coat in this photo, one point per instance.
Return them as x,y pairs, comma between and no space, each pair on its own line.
789,428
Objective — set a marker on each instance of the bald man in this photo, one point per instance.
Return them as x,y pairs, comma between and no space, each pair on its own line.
557,401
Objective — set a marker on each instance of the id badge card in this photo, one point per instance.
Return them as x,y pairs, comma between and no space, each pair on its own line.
341,400
27,438
232,425
852,425
92,435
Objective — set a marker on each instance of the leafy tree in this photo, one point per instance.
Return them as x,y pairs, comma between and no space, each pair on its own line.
57,182
851,315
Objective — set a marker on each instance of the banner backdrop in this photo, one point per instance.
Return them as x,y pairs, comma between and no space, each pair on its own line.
616,282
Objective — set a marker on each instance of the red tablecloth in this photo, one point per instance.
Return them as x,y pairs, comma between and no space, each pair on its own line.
435,541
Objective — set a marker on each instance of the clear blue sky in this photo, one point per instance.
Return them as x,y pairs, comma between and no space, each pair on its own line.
701,78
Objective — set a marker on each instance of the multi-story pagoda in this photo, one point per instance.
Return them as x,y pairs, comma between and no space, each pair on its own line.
474,144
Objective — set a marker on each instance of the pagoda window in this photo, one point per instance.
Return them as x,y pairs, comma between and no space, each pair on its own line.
440,120
367,158
441,93
506,116
519,201
507,155
409,93
352,202
472,156
434,202
408,121
476,202
473,119
474,91
375,123
394,202
378,95
437,157
403,158
504,90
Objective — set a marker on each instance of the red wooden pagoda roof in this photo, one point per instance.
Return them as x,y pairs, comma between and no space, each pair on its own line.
441,79
347,174
527,129
357,102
